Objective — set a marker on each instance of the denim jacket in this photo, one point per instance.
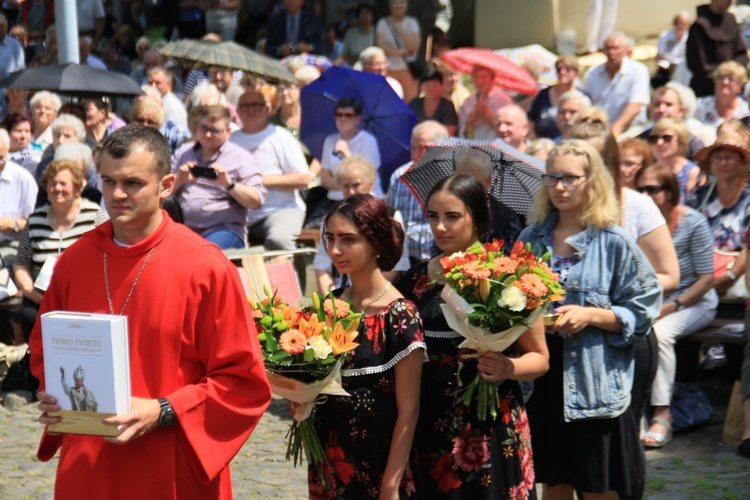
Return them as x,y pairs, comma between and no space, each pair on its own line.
613,273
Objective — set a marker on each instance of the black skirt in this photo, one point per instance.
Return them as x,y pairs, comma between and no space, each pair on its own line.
593,455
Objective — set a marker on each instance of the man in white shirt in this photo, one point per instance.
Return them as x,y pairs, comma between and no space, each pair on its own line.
512,126
620,86
476,118
373,60
11,52
163,81
671,49
18,191
91,19
278,155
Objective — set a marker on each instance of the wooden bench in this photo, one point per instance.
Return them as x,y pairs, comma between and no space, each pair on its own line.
309,237
10,304
708,335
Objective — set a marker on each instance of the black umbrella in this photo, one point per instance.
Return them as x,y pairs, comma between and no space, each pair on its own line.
516,177
72,79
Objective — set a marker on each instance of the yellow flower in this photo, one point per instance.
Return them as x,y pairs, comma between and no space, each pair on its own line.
342,340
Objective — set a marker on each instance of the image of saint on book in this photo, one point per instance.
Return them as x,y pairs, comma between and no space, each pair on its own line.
81,398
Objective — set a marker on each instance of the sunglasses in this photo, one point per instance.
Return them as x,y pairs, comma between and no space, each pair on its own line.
252,105
650,189
342,114
666,138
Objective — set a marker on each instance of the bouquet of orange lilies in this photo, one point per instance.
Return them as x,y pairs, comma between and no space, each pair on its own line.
491,299
303,350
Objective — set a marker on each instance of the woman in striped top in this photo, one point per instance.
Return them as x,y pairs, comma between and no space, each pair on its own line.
50,230
692,306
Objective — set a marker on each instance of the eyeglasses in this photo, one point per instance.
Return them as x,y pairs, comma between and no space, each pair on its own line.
727,158
568,181
651,190
251,106
569,69
210,130
727,78
343,114
666,138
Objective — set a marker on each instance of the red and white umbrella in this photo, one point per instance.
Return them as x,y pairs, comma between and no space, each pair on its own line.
508,75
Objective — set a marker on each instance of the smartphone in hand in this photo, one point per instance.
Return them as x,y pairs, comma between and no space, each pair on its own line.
207,172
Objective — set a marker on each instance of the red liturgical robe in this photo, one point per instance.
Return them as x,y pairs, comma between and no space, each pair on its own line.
192,340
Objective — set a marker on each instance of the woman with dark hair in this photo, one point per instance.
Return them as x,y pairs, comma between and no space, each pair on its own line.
99,123
349,139
367,437
20,128
459,455
432,105
692,306
584,418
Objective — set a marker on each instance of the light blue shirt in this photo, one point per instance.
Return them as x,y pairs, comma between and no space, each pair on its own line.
630,84
11,56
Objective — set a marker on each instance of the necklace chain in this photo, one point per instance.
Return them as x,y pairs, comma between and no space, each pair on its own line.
382,292
132,288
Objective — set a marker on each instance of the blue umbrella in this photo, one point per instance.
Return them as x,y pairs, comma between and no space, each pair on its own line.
385,115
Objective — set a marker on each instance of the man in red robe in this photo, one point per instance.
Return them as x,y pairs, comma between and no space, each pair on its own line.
197,377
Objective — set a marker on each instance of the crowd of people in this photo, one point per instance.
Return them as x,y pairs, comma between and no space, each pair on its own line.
644,206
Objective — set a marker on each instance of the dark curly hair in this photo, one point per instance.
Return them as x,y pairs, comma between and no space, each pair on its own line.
371,217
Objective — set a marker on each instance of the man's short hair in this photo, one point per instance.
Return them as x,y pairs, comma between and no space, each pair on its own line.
474,162
69,121
574,94
435,129
127,140
216,112
167,74
367,54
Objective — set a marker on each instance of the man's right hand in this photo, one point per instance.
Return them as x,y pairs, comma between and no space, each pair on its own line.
48,403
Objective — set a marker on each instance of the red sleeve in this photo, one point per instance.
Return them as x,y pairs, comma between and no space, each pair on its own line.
217,415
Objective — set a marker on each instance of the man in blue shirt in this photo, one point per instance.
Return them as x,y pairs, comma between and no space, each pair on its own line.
11,51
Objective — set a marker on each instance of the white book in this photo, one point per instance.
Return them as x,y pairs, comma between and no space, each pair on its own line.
87,369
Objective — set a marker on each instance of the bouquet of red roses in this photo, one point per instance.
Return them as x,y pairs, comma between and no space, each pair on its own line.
303,350
491,299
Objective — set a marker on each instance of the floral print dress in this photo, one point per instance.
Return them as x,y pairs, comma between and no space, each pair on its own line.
459,456
356,431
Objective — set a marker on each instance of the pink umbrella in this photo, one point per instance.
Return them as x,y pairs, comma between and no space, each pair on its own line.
508,75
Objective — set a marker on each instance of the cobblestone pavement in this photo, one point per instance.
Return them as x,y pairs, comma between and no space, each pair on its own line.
693,466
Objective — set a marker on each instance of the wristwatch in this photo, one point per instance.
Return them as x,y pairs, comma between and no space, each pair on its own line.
16,226
231,186
680,305
167,415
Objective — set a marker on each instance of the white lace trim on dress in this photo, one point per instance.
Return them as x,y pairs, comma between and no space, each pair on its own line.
370,370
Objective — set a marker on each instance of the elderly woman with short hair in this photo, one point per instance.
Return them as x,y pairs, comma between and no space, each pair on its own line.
726,103
44,108
50,230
